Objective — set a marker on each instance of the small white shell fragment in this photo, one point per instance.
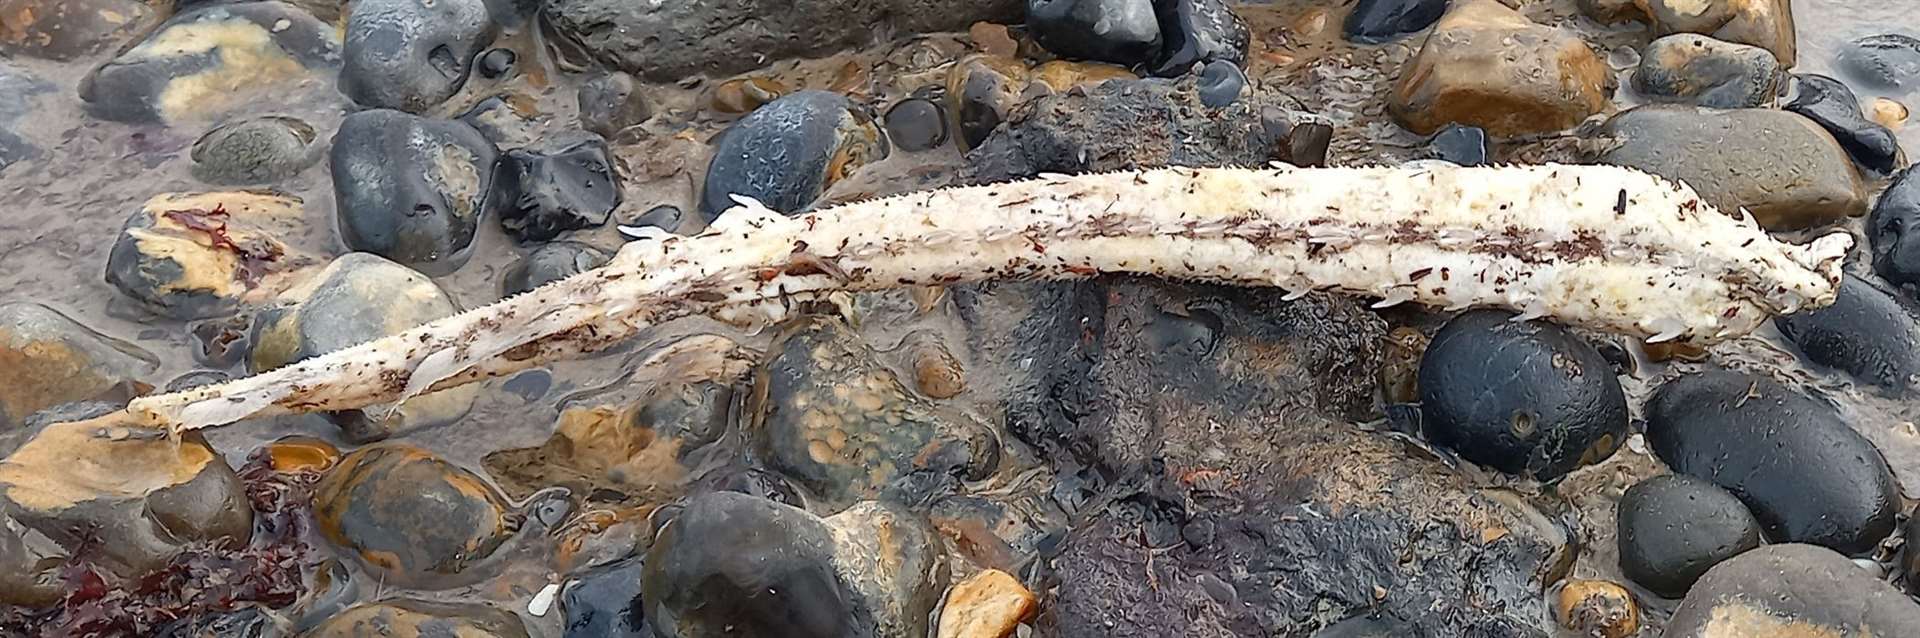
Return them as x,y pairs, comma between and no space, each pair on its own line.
542,601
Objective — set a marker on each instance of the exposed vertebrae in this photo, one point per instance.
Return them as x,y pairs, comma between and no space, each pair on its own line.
1600,247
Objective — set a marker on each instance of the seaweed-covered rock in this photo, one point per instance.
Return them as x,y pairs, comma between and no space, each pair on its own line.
198,255
207,61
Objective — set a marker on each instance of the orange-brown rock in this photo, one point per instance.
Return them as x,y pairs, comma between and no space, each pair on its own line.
1486,65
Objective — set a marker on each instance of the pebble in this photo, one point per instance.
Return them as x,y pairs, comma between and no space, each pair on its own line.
1888,61
550,263
847,428
1198,31
1891,230
52,359
497,63
539,193
1867,333
1525,398
1125,32
409,188
258,150
1888,113
1832,105
604,602
1795,461
357,298
1673,528
1696,69
411,55
410,618
1767,24
1221,83
266,48
917,124
786,153
1377,21
991,604
669,41
1488,66
70,29
415,518
198,255
1792,590
665,217
1782,167
1597,608
1462,145
611,103
743,95
125,502
735,565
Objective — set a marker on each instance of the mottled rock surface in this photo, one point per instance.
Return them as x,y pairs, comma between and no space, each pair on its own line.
1785,169
1489,66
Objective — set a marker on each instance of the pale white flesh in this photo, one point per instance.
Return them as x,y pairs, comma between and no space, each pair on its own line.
1599,247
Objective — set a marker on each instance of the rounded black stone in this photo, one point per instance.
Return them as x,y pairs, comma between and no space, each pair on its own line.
786,152
1833,106
1124,32
1196,31
1672,528
411,55
604,602
1525,397
1462,144
1866,332
410,188
497,63
1888,61
730,564
540,193
1376,21
1805,473
917,124
550,263
1893,230
1221,83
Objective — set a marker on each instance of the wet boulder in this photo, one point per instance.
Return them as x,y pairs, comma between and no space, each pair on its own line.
1867,332
1782,167
1767,24
1197,32
162,496
358,298
410,189
409,618
1528,398
786,153
1673,528
736,565
47,358
1887,61
611,103
1072,132
66,30
1489,66
845,426
1805,473
1893,230
419,520
206,61
604,602
550,263
259,150
1376,21
1793,590
411,55
1696,69
664,42
1833,106
1125,32
539,193
198,255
